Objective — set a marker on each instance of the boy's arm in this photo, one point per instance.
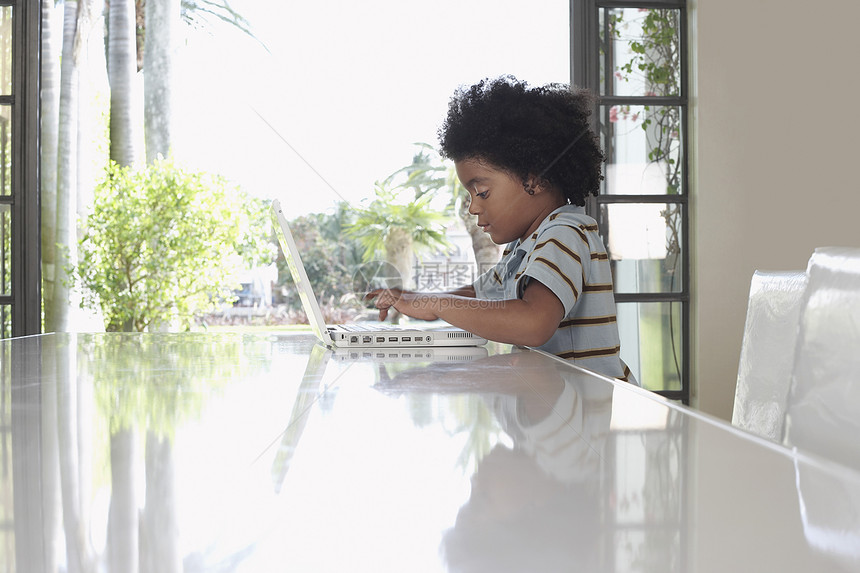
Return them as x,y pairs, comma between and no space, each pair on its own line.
467,291
529,321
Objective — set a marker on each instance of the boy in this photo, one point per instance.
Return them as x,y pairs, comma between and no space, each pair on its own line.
528,158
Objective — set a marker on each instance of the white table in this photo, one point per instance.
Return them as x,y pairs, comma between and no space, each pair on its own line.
222,452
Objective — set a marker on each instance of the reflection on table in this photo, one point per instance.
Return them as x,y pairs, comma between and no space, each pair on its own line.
203,452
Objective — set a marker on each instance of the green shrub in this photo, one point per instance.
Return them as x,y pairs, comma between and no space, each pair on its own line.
162,245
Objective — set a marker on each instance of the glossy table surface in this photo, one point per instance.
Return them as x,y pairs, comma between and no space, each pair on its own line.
232,452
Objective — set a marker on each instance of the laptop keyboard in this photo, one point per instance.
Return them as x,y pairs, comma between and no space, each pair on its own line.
368,328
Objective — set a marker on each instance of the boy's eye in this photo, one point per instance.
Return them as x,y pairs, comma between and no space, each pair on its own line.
483,194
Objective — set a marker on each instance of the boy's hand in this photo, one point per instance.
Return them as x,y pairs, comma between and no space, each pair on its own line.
414,305
527,321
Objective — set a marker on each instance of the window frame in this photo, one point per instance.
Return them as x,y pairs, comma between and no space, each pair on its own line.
24,300
585,73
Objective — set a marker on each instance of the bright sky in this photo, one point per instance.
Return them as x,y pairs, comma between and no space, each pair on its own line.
349,86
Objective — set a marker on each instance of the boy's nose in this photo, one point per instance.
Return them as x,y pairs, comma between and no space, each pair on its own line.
473,207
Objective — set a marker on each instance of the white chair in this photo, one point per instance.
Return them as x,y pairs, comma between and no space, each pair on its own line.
767,350
829,506
823,409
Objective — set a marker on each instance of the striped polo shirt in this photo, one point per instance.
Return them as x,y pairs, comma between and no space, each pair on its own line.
566,254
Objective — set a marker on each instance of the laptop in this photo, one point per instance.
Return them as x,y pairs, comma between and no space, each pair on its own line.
358,335
410,354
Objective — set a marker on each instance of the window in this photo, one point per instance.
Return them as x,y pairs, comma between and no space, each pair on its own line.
632,56
20,310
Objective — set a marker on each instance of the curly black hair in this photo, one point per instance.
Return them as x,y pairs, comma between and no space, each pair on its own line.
527,131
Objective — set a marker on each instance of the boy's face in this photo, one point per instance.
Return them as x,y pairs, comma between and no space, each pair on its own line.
504,209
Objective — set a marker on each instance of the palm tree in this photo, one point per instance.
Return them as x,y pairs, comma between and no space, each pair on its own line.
66,169
78,18
122,67
123,541
162,18
160,22
197,13
427,174
395,230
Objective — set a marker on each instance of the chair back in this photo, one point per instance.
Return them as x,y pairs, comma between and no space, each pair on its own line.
767,350
823,409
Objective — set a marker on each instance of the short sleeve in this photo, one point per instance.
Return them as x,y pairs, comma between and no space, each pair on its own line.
558,261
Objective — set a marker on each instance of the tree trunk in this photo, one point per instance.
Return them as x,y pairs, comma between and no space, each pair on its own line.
122,542
78,554
162,17
78,18
122,67
486,251
65,247
399,252
52,509
50,118
159,525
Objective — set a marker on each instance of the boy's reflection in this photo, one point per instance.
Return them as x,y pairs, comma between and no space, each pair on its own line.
535,506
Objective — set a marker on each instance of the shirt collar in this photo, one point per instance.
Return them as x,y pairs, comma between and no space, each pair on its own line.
527,243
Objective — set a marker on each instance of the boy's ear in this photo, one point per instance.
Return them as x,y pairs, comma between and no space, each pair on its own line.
533,184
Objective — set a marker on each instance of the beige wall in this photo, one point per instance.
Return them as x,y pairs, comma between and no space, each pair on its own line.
776,123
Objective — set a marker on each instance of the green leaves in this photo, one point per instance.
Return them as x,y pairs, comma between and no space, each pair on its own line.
376,220
402,204
162,243
652,40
